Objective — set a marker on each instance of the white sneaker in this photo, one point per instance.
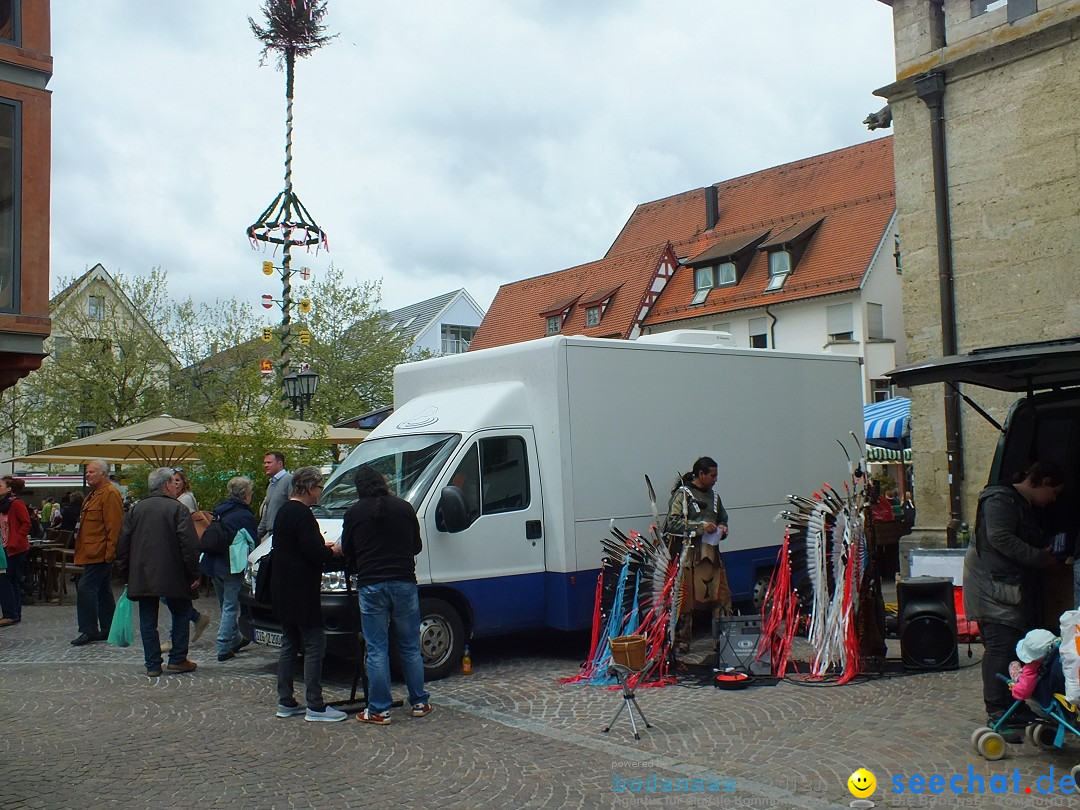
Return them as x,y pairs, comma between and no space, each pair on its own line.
327,715
166,646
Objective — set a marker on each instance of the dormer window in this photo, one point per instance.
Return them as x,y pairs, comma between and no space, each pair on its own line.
725,273
710,277
596,303
703,282
556,316
722,264
779,269
785,248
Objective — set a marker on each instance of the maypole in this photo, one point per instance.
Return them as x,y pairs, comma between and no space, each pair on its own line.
293,29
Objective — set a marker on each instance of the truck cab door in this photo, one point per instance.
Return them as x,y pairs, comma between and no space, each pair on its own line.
497,559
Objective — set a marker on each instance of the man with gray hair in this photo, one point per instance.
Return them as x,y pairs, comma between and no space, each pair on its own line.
157,557
95,548
236,516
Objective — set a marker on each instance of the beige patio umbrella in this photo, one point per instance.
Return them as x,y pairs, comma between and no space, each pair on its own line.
295,430
124,445
163,441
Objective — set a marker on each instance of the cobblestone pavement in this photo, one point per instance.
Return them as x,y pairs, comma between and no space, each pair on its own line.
85,728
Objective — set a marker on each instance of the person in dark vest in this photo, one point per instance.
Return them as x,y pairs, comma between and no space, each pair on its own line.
1001,576
300,556
697,515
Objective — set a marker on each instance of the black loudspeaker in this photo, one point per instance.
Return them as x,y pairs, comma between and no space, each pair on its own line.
926,623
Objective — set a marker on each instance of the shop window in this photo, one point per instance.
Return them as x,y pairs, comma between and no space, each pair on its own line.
10,169
11,21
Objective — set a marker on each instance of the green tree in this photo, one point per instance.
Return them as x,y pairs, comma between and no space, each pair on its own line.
219,361
351,348
109,363
236,446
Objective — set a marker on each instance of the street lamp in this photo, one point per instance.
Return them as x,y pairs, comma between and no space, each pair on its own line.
85,430
299,388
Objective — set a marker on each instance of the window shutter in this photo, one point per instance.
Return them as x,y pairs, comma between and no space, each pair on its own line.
875,323
838,319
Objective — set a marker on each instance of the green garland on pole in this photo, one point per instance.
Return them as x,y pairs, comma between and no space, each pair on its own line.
293,29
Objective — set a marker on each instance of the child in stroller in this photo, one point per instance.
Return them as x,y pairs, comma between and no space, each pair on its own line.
1037,677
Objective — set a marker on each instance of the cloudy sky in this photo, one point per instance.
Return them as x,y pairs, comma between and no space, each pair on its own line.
439,144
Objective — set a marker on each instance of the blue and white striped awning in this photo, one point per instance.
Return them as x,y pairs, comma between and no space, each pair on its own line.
888,423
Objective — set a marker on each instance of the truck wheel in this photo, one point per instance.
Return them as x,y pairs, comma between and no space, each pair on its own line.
442,638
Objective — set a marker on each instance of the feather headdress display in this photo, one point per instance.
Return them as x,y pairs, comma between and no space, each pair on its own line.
637,593
819,573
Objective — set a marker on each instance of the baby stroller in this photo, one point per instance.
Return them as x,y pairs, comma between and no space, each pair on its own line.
1058,715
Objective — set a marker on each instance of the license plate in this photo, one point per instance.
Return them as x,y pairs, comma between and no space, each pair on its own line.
268,638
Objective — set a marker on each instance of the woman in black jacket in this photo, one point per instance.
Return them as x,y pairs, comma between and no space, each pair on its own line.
300,554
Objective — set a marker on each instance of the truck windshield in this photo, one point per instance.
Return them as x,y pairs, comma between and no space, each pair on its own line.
410,464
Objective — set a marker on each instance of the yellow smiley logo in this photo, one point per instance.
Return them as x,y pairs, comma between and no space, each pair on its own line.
861,783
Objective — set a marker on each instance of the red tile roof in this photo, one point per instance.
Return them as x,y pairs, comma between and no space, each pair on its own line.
851,191
782,194
519,310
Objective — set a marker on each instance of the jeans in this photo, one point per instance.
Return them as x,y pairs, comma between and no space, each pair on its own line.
227,588
193,614
11,586
94,601
398,604
313,641
999,649
151,642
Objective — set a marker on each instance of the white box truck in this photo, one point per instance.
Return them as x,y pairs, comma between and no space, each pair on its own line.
550,439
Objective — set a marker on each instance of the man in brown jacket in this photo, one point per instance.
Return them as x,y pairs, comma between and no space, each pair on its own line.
95,548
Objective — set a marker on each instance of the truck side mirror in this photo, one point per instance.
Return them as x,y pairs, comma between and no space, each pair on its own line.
453,513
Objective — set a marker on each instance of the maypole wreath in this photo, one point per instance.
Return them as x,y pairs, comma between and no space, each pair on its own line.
293,29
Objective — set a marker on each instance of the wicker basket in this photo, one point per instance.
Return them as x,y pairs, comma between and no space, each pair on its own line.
629,652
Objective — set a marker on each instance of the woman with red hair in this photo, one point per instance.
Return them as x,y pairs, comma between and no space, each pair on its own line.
15,532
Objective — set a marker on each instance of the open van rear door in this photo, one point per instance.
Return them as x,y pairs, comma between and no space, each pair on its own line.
1023,368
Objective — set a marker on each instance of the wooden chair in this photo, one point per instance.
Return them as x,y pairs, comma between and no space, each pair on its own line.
62,564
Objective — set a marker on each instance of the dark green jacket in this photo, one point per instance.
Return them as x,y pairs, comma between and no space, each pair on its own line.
1002,563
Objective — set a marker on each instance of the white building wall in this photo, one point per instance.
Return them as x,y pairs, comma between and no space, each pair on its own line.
801,326
461,312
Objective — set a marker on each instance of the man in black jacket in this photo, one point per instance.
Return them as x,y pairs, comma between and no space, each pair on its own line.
156,556
381,538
